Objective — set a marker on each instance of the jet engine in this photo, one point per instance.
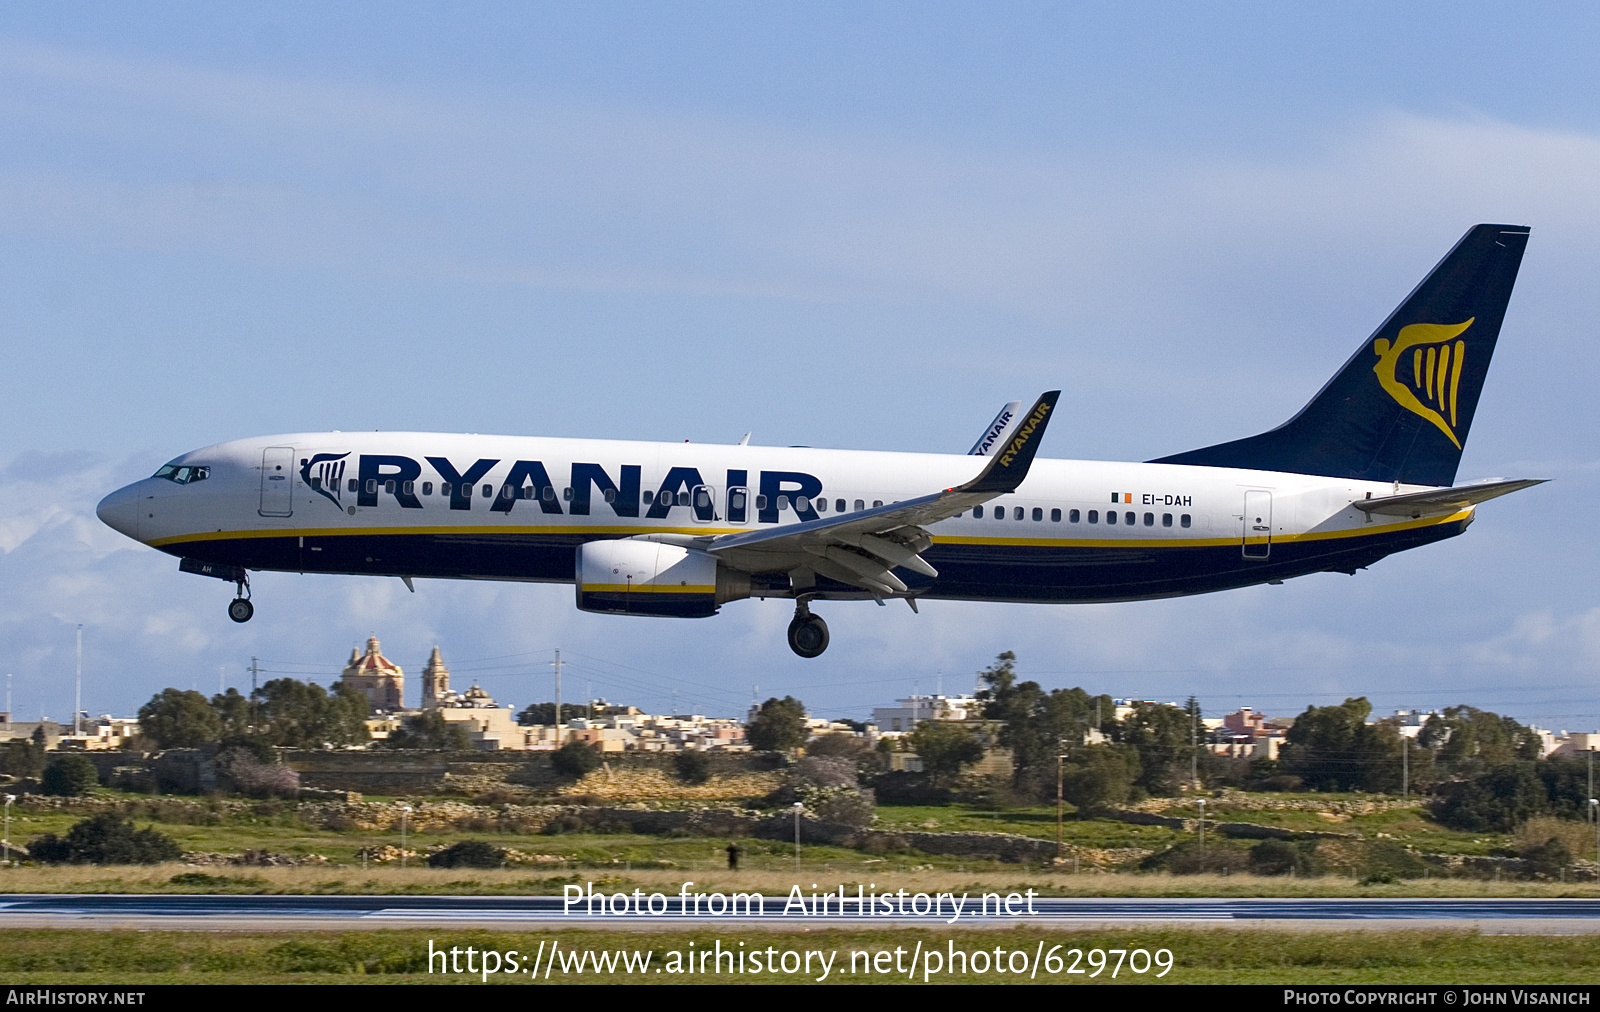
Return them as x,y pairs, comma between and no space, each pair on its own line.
627,577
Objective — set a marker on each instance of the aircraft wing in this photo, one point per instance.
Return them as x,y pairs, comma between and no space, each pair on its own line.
861,548
1440,501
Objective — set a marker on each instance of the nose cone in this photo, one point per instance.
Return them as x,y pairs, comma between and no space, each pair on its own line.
120,511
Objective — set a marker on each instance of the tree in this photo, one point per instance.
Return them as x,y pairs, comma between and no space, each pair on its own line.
21,758
107,838
575,759
297,714
429,730
179,719
1466,742
778,726
1333,748
1036,724
1165,739
69,776
692,767
944,747
541,714
234,710
252,767
1100,776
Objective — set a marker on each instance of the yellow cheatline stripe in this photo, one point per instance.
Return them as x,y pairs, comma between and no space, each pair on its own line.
1204,542
342,532
333,532
644,588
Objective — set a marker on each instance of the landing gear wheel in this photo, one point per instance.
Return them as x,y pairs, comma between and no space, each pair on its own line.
240,610
808,635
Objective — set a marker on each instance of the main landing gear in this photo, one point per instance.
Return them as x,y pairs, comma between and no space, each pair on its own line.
808,634
240,609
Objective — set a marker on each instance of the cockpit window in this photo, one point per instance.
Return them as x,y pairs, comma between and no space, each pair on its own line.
183,474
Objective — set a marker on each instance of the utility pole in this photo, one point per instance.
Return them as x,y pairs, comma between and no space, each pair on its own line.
1591,759
8,702
1060,761
558,694
1405,766
1194,755
77,696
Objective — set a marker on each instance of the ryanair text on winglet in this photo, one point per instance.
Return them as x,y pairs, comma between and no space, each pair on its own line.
1023,435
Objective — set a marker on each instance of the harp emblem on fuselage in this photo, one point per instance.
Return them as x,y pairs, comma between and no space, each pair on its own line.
1422,370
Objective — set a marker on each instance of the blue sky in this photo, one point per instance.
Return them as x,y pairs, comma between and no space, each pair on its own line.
861,225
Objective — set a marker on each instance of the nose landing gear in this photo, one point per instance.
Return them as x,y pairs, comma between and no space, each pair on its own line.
808,634
240,609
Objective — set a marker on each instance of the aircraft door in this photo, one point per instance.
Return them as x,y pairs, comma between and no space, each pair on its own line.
703,504
277,481
1257,524
738,505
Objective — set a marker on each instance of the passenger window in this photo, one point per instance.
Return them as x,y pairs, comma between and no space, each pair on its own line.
444,488
316,482
1055,516
821,504
610,495
649,496
1184,520
861,504
838,504
999,512
1072,516
1094,516
783,503
1016,513
977,512
488,491
388,487
1128,518
372,486
802,503
1149,519
1111,516
1166,519
566,493
664,498
1038,514
683,498
876,503
508,491
427,488
354,485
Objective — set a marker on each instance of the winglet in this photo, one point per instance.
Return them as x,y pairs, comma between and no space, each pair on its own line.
1010,461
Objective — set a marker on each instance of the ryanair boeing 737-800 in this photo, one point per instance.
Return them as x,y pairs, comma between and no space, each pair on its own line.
679,529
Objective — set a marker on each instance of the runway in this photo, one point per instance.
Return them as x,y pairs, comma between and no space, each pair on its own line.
547,913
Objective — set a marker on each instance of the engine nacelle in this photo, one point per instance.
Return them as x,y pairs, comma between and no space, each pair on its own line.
628,577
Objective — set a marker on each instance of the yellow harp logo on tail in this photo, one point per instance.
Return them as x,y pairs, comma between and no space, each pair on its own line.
1422,371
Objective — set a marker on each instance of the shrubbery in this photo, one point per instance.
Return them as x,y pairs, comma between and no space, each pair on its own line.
69,776
108,838
468,854
575,759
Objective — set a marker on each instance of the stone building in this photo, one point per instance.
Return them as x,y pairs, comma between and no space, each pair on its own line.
435,681
381,680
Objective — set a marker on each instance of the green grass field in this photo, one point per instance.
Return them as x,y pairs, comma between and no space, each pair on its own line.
1209,956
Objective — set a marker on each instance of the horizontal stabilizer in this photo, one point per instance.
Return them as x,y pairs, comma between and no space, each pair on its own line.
1440,501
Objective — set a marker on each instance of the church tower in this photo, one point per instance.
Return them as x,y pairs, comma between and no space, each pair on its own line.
381,680
435,682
